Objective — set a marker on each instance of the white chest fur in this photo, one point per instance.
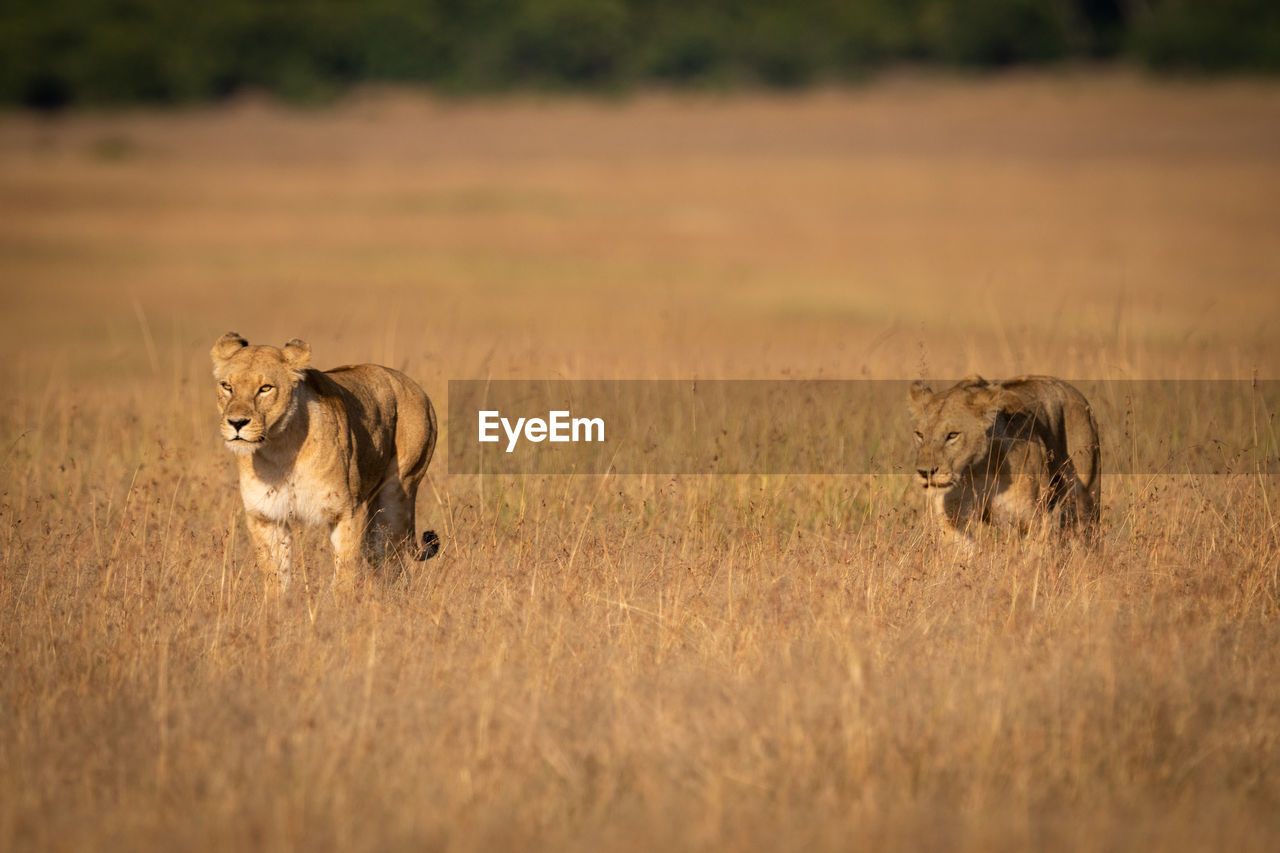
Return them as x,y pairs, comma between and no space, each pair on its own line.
290,497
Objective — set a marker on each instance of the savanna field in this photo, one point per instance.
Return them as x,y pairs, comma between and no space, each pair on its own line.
636,662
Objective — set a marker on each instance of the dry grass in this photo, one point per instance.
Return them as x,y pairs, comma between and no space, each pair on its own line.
635,662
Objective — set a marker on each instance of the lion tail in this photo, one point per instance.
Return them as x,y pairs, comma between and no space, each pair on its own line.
430,545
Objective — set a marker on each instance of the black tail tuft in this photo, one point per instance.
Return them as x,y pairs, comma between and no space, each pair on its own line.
430,545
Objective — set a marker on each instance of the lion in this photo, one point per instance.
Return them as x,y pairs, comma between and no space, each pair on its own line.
1018,454
345,448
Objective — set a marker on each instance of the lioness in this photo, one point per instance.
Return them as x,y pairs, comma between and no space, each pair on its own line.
1010,453
345,448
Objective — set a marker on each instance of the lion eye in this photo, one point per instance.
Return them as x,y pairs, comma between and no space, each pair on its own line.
226,386
952,436
265,388
919,436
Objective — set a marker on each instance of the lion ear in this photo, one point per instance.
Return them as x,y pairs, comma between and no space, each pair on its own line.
973,380
988,400
227,346
918,395
297,353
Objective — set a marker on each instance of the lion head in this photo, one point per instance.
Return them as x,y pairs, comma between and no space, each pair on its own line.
256,386
952,429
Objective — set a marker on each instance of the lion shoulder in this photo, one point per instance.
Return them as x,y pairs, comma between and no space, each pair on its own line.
389,414
1063,419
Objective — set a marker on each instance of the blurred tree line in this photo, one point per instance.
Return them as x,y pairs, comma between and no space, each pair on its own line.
60,52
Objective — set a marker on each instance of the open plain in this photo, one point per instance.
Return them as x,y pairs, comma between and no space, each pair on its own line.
636,662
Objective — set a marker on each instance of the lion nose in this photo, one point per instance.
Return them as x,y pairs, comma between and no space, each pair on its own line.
237,423
926,473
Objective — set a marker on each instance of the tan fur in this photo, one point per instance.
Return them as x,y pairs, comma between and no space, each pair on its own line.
344,448
1012,453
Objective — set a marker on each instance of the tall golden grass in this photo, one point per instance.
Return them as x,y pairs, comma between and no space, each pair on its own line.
614,662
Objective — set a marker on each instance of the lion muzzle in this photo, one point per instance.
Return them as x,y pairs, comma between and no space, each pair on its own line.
240,434
930,478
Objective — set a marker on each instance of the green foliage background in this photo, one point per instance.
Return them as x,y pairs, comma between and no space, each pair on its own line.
61,52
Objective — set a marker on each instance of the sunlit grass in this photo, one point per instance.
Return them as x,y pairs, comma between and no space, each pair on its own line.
733,662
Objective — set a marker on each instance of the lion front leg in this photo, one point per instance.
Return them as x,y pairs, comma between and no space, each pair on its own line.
273,543
951,514
347,536
959,539
1021,506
